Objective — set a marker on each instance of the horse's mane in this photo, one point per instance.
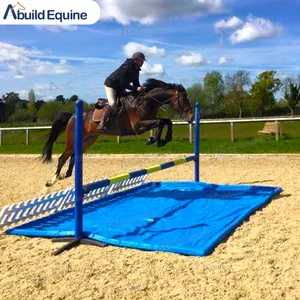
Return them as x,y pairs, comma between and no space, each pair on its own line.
152,83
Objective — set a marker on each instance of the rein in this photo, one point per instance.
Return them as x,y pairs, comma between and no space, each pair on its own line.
172,101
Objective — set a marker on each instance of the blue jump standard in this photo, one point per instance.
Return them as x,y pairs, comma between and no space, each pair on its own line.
189,218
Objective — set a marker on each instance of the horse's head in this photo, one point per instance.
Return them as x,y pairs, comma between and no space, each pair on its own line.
180,102
174,95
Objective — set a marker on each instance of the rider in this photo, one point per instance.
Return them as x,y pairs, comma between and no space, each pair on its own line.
119,81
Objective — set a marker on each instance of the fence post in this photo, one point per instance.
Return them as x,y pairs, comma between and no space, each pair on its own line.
191,132
277,130
79,193
197,142
118,139
27,137
1,136
151,133
232,131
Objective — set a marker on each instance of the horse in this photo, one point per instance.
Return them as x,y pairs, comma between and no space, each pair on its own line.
139,115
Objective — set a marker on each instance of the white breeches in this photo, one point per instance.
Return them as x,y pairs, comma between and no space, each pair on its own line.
111,95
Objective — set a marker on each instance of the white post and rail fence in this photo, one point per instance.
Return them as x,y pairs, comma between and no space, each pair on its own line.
231,122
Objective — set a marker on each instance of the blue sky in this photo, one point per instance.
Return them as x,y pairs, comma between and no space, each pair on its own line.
182,40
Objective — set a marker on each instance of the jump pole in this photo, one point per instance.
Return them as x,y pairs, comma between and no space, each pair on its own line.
80,190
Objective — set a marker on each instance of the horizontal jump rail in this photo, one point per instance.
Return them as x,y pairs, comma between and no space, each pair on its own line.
96,185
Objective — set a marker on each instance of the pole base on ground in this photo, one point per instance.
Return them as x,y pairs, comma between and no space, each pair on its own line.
72,243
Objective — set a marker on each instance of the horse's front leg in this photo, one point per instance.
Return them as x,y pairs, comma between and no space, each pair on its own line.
169,134
157,137
144,126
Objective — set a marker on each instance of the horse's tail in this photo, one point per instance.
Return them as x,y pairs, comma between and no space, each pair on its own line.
58,126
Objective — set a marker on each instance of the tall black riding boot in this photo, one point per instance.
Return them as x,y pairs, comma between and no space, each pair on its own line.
106,114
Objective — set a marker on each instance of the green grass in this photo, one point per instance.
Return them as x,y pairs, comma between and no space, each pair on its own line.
214,139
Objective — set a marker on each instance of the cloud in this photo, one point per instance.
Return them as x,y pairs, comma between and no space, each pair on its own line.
86,60
38,86
47,98
57,28
46,67
19,76
231,23
149,11
131,48
193,59
29,67
223,60
149,70
94,60
23,94
254,29
10,53
20,62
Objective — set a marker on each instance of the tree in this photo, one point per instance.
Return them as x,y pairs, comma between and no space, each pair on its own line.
69,107
49,111
21,115
12,102
196,94
31,107
61,99
213,86
235,86
39,104
2,110
292,95
31,97
262,91
74,98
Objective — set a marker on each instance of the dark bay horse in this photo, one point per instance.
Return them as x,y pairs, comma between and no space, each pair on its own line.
139,116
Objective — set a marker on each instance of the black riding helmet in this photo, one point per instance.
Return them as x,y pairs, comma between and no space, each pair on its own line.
139,55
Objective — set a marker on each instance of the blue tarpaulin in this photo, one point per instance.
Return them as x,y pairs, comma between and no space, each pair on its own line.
182,217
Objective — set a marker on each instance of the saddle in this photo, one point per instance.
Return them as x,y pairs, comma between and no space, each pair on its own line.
120,107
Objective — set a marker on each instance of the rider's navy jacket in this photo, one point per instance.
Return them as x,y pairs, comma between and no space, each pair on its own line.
121,79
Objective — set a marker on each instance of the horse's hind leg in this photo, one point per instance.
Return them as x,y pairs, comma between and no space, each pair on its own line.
88,141
70,169
61,162
71,166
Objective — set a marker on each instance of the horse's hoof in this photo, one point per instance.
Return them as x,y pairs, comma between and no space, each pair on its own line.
51,182
161,143
151,140
62,176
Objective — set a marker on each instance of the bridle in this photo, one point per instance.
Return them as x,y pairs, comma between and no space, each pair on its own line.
181,111
172,100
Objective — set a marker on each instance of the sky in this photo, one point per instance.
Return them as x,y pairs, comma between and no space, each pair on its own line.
182,40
